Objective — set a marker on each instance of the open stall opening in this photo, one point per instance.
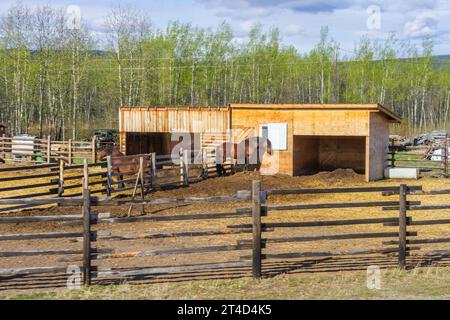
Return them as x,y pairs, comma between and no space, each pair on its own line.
313,154
160,143
140,142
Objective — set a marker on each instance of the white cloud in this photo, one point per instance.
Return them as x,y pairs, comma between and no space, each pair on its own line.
316,6
292,30
296,5
244,13
247,26
425,24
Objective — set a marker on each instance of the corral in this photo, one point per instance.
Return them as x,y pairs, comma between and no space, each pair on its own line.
206,227
336,230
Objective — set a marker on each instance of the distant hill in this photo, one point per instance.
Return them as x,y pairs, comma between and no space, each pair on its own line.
440,60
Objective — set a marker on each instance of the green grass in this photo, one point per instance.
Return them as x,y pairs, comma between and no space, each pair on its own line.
424,283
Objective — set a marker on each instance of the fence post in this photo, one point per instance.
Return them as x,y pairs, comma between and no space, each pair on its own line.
256,214
205,163
86,237
402,227
2,148
181,166
108,176
6,148
61,178
186,161
49,148
392,154
85,175
446,156
69,155
94,150
142,177
153,170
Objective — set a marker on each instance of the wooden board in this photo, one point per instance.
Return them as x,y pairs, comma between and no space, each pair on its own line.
377,146
173,119
252,119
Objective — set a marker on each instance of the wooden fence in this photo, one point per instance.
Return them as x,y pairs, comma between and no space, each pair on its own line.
46,180
35,150
260,247
417,158
118,175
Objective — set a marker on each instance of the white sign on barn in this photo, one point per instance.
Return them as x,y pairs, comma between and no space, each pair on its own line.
277,134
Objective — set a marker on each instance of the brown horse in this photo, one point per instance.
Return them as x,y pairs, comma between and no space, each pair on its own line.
254,149
120,166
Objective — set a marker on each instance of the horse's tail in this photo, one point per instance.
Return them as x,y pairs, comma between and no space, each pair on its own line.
219,169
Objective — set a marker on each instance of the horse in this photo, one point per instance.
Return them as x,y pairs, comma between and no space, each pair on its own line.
126,165
251,145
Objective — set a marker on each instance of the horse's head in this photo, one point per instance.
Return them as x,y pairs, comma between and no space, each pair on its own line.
102,153
269,147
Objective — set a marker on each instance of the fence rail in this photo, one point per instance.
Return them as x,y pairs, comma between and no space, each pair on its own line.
35,150
138,174
417,158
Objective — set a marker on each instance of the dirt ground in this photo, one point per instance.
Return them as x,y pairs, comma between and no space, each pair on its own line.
227,186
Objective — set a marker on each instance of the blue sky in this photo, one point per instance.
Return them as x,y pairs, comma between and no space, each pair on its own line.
298,20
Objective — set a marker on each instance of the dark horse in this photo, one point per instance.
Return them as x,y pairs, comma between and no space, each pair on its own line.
250,149
129,164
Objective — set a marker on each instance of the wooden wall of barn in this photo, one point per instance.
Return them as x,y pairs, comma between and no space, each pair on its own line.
171,119
377,146
153,119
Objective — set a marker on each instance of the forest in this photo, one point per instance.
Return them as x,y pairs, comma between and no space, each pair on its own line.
65,82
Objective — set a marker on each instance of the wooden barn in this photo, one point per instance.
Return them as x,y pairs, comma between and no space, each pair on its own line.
149,129
307,137
322,137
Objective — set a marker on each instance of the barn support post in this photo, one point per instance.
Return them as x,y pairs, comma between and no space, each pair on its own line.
61,178
49,148
69,155
94,150
108,175
256,214
402,227
86,237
